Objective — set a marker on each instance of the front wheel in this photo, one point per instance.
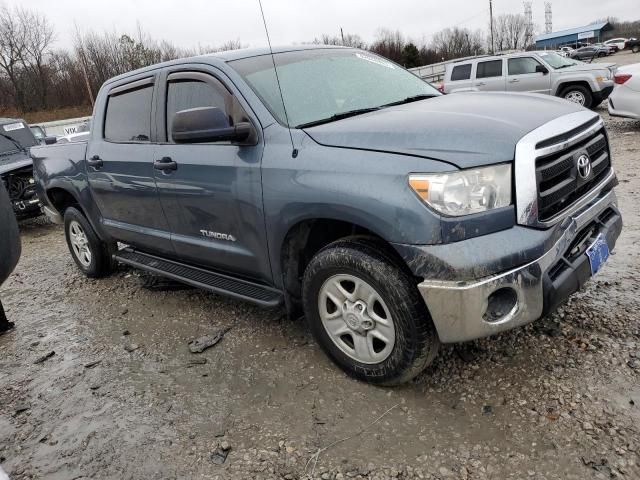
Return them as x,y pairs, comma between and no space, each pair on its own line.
578,94
636,49
367,314
92,256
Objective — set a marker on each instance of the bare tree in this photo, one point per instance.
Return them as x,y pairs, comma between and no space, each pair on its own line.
457,42
346,40
511,32
389,44
38,38
12,50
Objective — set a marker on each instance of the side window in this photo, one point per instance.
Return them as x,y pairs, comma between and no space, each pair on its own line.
128,117
461,72
522,66
488,69
186,94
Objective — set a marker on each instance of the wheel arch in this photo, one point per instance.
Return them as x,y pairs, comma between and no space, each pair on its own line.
306,238
570,83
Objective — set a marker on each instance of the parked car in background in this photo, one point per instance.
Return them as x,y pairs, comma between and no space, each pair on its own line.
536,72
16,166
9,247
394,217
589,53
633,45
610,49
620,43
625,99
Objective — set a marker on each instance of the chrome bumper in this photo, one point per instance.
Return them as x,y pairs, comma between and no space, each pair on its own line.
458,308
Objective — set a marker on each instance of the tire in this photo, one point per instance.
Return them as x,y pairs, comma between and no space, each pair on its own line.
635,49
386,295
574,93
92,255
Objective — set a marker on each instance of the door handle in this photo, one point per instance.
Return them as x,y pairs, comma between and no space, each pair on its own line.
95,161
480,84
514,80
165,164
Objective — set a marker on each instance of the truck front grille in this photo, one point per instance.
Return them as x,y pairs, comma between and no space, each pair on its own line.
559,183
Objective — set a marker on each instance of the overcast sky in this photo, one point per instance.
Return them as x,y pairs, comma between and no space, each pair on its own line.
188,23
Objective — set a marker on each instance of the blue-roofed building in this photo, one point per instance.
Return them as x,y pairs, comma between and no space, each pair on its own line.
587,34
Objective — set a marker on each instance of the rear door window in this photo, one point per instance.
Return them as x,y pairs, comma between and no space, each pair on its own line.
128,117
492,68
461,72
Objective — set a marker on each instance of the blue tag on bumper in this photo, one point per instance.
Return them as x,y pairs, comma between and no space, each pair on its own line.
598,253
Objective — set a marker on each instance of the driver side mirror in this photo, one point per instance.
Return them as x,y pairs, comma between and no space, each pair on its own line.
50,140
207,124
542,69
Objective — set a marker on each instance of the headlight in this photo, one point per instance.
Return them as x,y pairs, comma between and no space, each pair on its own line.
466,191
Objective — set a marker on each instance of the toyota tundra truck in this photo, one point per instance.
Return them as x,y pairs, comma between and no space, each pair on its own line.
336,184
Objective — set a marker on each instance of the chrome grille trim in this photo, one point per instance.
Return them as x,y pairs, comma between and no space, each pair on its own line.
526,185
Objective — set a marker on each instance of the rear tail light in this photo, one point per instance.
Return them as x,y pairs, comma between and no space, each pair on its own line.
441,87
621,78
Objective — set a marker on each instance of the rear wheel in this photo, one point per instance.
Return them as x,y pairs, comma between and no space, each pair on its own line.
578,94
367,314
636,49
92,256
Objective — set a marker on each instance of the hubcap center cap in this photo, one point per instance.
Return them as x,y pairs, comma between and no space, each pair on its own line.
355,316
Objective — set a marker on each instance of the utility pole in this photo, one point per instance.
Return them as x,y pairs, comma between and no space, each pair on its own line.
342,35
491,23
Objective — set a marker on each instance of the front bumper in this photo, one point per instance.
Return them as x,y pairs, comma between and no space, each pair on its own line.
601,95
470,309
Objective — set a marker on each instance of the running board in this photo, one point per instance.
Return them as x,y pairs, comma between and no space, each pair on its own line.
201,278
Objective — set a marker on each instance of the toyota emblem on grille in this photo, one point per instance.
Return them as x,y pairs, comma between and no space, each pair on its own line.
584,166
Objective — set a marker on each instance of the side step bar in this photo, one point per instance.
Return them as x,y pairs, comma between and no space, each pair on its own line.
201,278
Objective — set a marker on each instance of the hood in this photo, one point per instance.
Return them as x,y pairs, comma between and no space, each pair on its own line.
15,161
464,129
587,67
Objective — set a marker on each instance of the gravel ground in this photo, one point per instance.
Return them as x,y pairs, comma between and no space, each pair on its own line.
122,396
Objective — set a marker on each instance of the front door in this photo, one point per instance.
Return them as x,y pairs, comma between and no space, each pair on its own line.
213,197
522,76
120,169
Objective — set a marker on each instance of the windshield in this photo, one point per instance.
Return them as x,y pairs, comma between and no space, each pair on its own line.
320,84
17,132
557,61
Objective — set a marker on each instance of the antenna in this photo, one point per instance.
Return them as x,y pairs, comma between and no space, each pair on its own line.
528,15
548,18
294,152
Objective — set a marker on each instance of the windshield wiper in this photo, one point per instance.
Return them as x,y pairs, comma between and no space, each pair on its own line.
17,144
566,66
338,116
414,98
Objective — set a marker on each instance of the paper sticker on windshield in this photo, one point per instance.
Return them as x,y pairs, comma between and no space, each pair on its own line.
376,60
10,127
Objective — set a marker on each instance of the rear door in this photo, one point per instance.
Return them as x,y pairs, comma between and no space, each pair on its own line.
522,76
490,76
213,199
120,167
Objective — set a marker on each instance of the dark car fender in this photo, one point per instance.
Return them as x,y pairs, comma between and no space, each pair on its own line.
9,236
61,179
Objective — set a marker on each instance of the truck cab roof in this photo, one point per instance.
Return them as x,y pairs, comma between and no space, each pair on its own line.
216,58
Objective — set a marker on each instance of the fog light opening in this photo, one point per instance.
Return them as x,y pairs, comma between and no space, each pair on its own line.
499,304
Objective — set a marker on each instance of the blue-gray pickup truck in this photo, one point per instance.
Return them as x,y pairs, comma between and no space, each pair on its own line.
345,189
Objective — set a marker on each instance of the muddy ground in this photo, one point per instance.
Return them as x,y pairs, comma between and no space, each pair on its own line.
557,399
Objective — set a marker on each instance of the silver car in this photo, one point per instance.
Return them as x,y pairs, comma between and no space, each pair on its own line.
543,72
